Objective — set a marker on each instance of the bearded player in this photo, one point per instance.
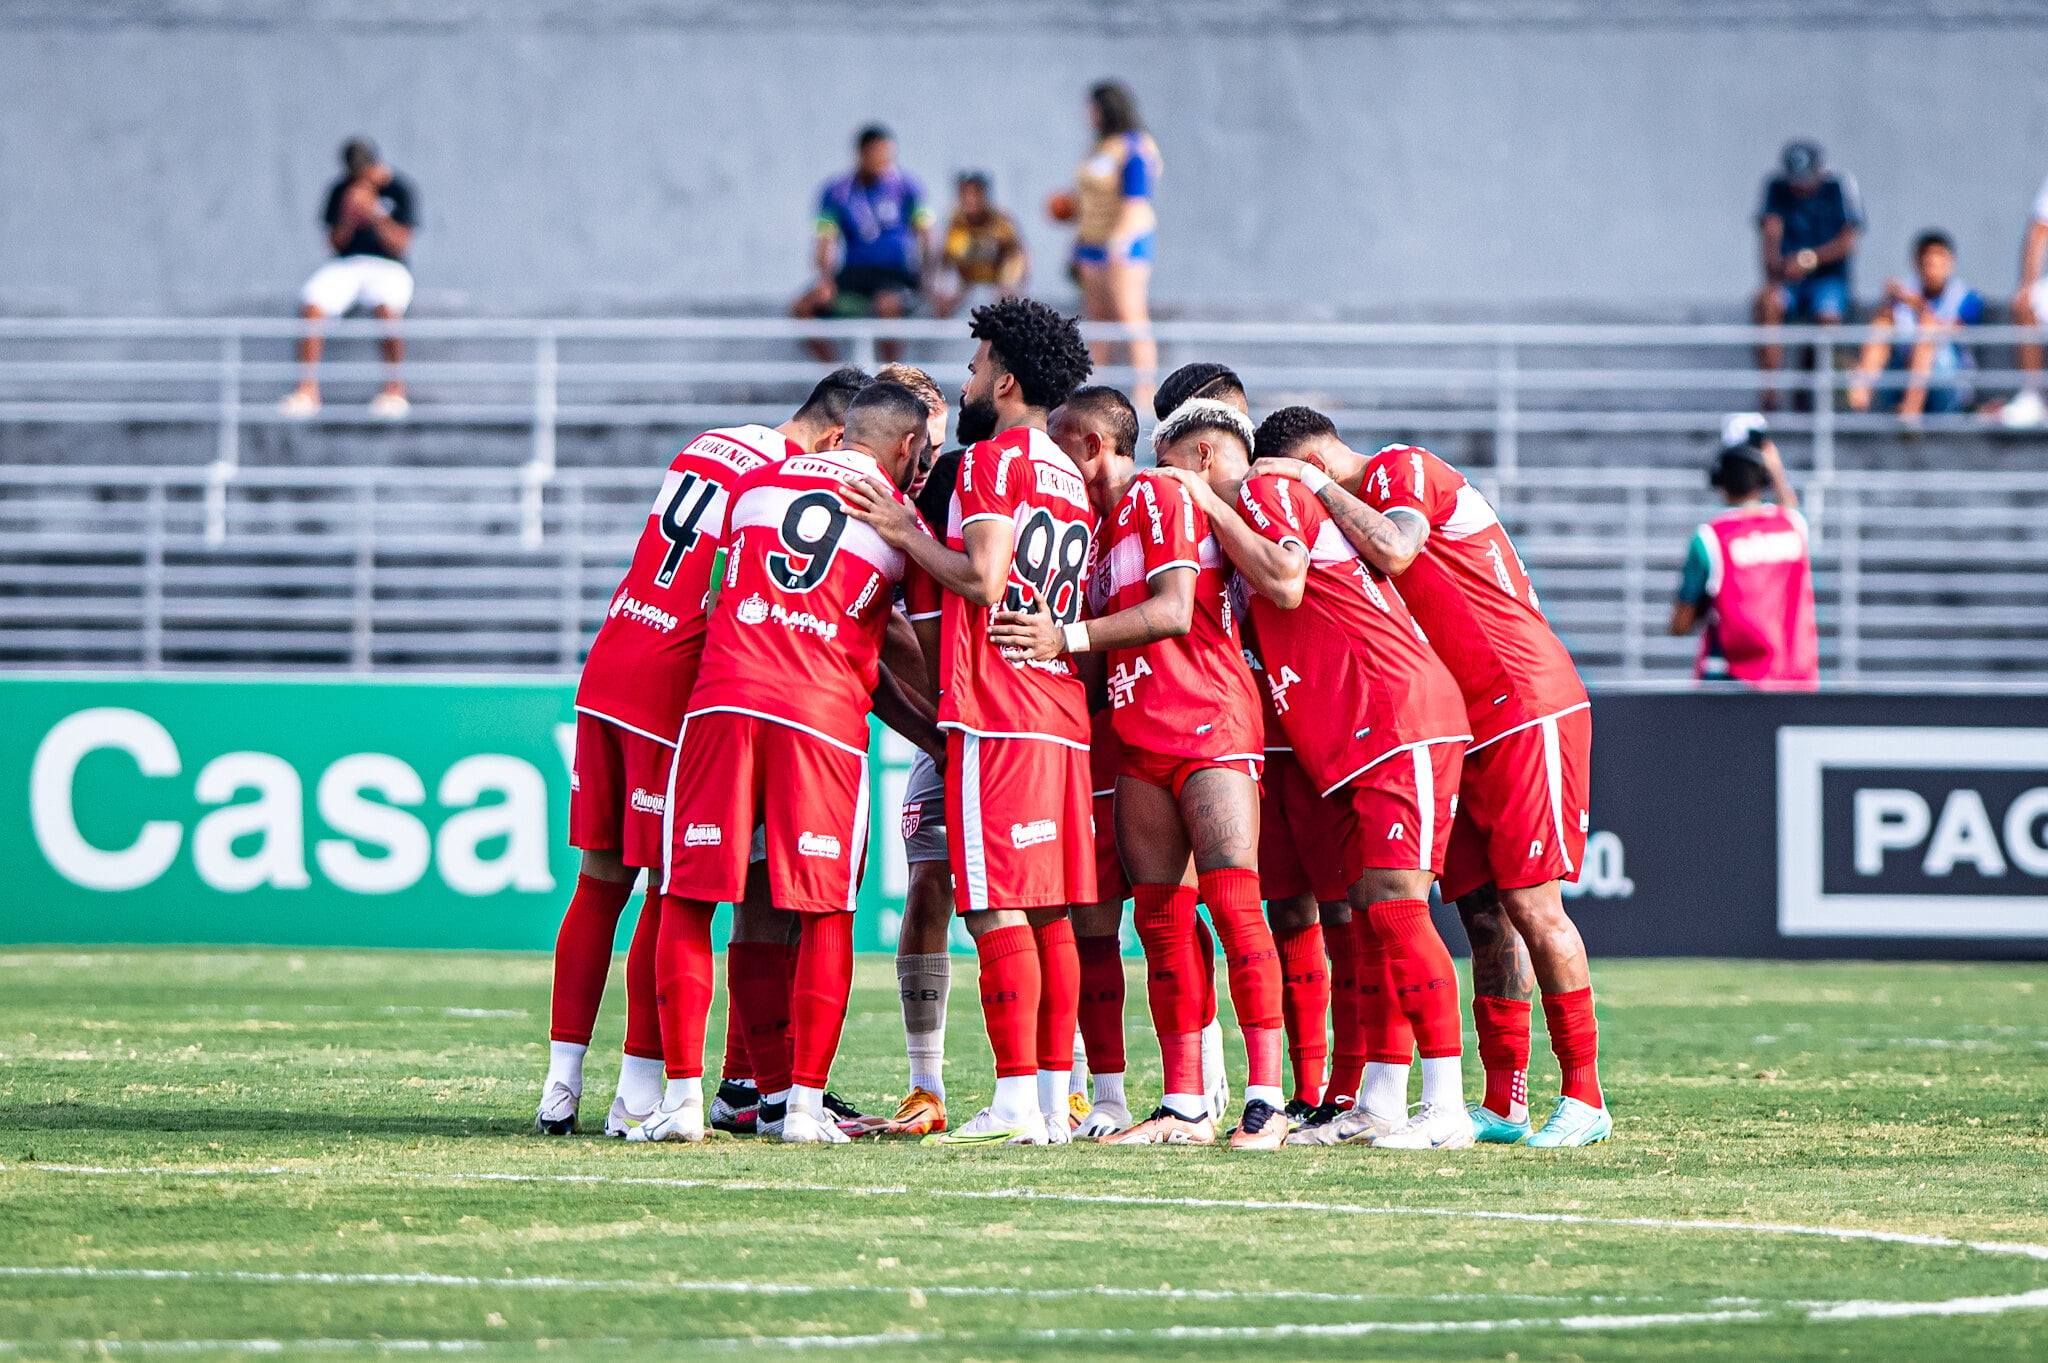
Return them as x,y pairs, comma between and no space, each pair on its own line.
1187,801
636,683
1521,826
1377,722
1017,791
776,737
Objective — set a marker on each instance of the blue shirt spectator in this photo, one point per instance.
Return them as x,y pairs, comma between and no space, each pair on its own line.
873,242
1916,324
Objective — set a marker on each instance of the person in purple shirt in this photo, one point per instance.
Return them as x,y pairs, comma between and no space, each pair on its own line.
873,241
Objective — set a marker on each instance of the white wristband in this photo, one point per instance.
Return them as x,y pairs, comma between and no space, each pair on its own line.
1077,636
1314,479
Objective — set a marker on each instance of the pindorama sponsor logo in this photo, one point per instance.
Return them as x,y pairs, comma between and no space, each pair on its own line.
630,606
1031,834
646,802
818,845
703,835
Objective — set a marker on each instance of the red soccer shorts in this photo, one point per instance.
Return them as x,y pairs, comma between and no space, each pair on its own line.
1403,805
617,791
1171,773
808,794
1522,814
1019,823
1302,836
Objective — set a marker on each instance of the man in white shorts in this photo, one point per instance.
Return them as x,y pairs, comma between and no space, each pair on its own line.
371,216
2029,308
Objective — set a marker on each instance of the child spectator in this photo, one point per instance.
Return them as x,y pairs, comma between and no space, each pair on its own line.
983,251
1916,317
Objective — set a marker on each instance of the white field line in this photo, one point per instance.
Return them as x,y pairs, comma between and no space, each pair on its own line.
1103,1199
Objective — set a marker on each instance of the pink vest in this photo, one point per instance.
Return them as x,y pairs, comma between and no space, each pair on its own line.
1760,584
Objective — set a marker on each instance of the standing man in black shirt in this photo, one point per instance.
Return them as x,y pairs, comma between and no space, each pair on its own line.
1808,223
371,215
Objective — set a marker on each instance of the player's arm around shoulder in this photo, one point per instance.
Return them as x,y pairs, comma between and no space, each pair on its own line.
893,518
1390,540
1268,550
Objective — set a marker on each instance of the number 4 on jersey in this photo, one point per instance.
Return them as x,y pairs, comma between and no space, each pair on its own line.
682,510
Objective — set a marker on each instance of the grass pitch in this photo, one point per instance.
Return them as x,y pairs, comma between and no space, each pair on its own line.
264,1151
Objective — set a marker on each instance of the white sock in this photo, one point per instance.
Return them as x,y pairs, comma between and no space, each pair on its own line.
640,1082
1052,1090
1078,1084
1193,1106
565,1065
808,1101
1109,1088
681,1093
1385,1090
927,1060
1268,1093
1443,1081
781,1096
1016,1099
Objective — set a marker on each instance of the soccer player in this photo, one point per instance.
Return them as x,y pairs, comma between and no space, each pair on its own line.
1522,816
1017,792
1187,792
1374,717
1203,379
636,683
776,737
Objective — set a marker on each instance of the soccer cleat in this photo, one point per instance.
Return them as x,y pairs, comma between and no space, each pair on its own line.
1215,1079
1077,1109
986,1128
1431,1126
922,1113
768,1118
1166,1127
851,1119
621,1120
1490,1128
1343,1126
1103,1119
1573,1123
1059,1129
685,1123
1262,1127
734,1108
557,1115
801,1128
1298,1113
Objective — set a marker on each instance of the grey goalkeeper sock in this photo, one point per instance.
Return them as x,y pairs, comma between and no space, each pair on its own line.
922,983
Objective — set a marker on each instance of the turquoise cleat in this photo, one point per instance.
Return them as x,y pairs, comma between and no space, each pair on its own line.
1490,1128
1573,1123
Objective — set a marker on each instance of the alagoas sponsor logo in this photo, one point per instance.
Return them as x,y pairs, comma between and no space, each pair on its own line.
1031,834
703,835
803,622
644,802
1766,546
626,604
753,610
817,845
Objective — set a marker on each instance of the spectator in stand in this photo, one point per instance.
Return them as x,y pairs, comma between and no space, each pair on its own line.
1916,317
1809,223
2029,307
1115,226
984,253
1748,575
371,216
874,241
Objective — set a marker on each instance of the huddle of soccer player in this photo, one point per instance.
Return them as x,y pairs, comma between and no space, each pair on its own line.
1272,677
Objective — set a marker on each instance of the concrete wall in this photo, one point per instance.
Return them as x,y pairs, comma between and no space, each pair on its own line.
1382,159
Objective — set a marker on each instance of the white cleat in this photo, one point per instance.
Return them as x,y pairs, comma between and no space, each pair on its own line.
1103,1119
1215,1079
1431,1126
621,1120
1058,1131
557,1115
1353,1127
685,1123
986,1128
801,1128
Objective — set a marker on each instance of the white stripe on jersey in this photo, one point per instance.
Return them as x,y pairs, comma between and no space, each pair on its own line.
1472,514
764,506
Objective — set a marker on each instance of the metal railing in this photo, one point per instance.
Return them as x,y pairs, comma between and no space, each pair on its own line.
394,569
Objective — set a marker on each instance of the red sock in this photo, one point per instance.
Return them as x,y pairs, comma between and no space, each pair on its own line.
1305,1006
1102,1003
737,1064
583,956
1253,962
683,984
1059,993
1389,1036
758,975
643,1016
1424,981
1011,986
1205,943
1346,943
1165,919
1575,1040
823,979
1503,1026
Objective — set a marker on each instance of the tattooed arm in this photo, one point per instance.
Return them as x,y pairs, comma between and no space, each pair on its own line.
1388,544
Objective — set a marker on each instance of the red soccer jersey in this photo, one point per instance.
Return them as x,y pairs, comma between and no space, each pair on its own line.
1192,696
643,659
796,636
1276,733
1470,591
1023,478
1350,672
